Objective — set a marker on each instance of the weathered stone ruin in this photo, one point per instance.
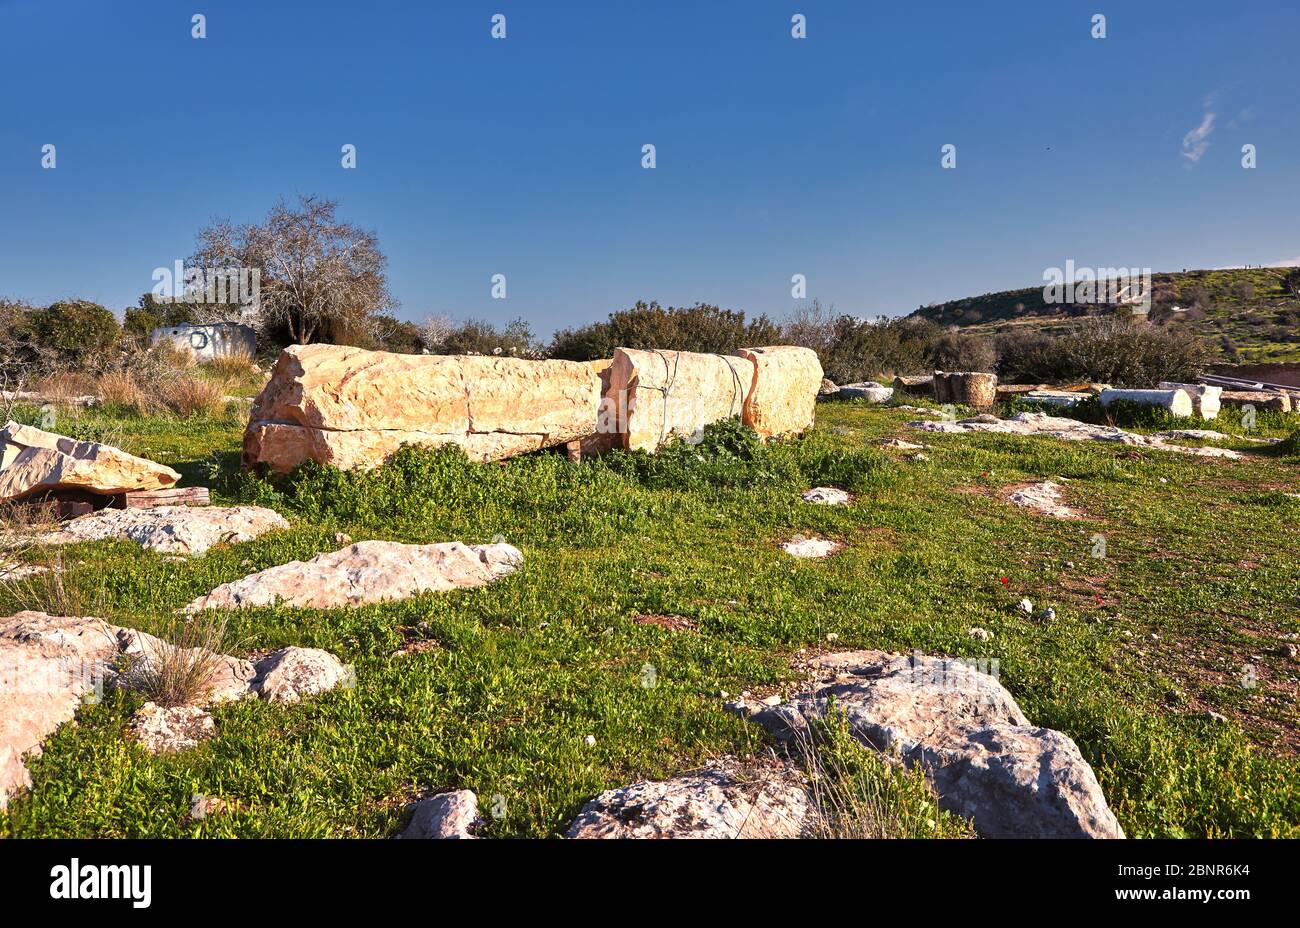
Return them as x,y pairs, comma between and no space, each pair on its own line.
1176,402
353,408
966,388
34,462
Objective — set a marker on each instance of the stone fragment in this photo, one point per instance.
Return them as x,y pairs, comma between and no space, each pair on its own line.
870,391
171,529
366,572
33,461
289,675
966,388
166,730
723,800
1206,399
1045,498
827,496
1175,402
446,815
662,395
802,547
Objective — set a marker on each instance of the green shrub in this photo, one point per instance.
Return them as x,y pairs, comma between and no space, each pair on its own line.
1118,351
68,334
701,327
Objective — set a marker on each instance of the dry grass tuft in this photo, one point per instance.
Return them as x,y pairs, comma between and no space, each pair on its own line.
121,389
181,671
195,396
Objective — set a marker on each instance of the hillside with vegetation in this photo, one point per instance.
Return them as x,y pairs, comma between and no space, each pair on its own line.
1250,315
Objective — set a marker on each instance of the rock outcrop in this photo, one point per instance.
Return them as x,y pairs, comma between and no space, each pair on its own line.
783,398
49,665
33,461
171,529
289,675
366,572
446,815
353,408
984,758
1046,498
722,800
659,395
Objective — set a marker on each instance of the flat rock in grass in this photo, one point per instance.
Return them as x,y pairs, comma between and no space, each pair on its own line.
723,800
1034,423
870,391
367,572
166,730
1191,435
291,674
897,444
811,547
984,758
171,529
1046,498
827,496
446,815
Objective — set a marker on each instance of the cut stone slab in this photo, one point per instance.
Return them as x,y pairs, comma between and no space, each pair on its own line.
292,674
827,496
662,395
353,408
869,390
1055,397
171,529
783,398
1175,402
162,730
446,815
983,757
33,461
803,547
1260,399
1046,498
367,572
1034,423
722,800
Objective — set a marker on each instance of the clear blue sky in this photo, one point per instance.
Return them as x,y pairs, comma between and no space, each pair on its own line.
775,156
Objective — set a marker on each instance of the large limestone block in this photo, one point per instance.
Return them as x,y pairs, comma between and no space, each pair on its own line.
962,727
661,394
783,399
351,407
32,461
1278,402
366,572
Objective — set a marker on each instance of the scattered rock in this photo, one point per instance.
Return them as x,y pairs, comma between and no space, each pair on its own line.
342,538
9,571
32,461
165,730
964,730
367,572
1025,606
203,806
291,674
1191,435
1288,650
1213,716
446,815
723,800
827,496
980,634
1045,498
867,390
828,388
897,444
1035,423
802,547
171,529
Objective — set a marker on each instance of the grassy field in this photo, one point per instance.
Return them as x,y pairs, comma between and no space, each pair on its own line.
498,689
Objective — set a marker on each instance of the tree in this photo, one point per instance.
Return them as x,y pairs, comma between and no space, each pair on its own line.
1291,281
321,279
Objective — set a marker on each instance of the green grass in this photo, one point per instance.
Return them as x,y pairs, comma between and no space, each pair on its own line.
497,689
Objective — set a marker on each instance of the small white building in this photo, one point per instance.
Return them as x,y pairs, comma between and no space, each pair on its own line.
213,340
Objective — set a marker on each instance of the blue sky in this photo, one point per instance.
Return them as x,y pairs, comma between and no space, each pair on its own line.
775,156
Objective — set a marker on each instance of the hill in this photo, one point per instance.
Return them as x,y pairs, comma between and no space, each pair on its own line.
1251,315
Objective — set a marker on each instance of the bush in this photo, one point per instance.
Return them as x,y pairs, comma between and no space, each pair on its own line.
701,328
1121,352
477,336
863,349
72,334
